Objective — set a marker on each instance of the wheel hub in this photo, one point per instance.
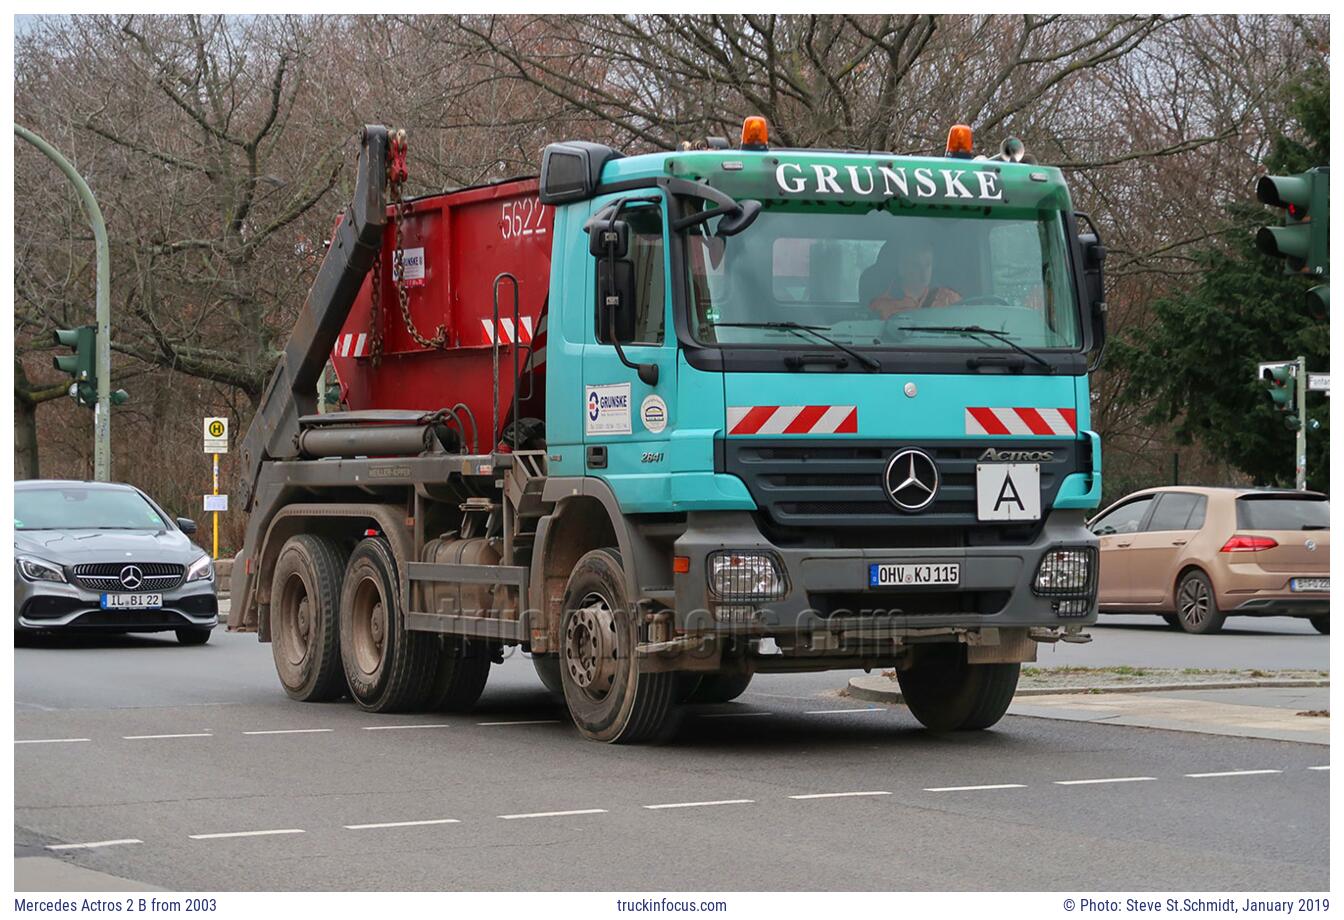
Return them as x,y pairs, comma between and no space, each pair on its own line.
590,646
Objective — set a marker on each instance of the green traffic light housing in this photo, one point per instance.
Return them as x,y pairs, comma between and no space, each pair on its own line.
83,341
1282,386
1304,239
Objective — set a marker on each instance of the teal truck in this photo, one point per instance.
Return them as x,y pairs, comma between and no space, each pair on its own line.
663,422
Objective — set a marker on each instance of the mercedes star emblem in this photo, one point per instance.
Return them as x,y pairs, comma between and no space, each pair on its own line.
911,480
132,577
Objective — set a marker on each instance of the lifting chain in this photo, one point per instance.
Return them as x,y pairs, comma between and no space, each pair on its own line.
396,177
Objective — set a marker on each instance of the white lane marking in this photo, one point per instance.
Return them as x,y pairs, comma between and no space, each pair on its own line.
1231,773
385,728
1319,768
827,712
732,715
94,844
153,737
835,795
702,804
524,722
291,731
1113,779
364,827
978,788
49,740
557,814
286,830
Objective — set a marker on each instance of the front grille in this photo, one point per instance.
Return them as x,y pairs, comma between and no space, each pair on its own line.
106,576
828,485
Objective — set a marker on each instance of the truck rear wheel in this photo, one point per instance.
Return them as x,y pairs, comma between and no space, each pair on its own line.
548,670
464,667
387,668
608,698
719,688
305,604
945,693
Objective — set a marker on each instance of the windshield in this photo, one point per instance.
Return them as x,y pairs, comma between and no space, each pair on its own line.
877,277
78,508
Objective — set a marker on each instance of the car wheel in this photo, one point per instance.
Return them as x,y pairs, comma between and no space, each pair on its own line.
192,636
1322,624
1196,607
1172,620
305,635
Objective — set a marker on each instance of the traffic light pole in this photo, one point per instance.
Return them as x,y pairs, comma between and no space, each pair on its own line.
1302,428
102,412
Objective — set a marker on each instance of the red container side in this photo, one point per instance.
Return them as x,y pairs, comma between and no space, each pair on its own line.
455,246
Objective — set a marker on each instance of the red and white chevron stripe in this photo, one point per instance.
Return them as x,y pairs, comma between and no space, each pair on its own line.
1021,420
506,331
793,420
351,345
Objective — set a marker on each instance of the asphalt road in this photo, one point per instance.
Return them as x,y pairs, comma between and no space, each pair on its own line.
792,787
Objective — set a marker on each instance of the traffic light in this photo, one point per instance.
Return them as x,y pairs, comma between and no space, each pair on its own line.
1304,239
1282,385
81,364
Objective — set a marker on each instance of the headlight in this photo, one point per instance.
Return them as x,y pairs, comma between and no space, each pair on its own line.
1066,573
746,576
201,570
37,570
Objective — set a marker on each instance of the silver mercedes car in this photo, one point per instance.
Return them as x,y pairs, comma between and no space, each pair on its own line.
103,556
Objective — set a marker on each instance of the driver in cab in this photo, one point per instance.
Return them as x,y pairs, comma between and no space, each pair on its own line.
911,288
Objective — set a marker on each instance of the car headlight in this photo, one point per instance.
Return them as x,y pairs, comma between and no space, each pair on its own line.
736,575
1066,573
37,570
203,569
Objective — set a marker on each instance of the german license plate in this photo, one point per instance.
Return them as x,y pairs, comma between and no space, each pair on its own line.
132,601
909,575
1309,584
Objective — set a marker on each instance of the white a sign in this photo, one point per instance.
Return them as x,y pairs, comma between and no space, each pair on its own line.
606,408
216,432
1008,491
216,503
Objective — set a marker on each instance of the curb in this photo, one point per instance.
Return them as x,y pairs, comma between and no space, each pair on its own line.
859,688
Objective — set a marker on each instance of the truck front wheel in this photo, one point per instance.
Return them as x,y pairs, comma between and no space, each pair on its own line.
305,601
946,693
388,668
608,698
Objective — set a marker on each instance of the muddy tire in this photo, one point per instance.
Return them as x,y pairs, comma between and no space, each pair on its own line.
387,668
1196,607
463,668
192,636
947,694
608,698
1322,624
719,688
305,609
548,671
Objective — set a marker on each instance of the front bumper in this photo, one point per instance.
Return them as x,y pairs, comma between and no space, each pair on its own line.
53,605
825,587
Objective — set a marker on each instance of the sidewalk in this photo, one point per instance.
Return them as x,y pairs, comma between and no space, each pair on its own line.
1252,712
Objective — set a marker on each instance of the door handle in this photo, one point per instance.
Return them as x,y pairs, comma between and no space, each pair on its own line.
1123,545
597,457
1177,542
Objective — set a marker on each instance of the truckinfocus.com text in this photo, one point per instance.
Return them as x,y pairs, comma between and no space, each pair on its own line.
658,905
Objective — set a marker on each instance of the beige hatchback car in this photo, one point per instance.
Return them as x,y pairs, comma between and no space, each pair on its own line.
1199,555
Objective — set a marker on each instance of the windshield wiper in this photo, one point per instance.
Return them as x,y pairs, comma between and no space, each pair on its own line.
799,328
981,330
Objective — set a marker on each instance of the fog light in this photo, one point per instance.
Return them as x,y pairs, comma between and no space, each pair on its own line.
1077,607
1066,572
746,576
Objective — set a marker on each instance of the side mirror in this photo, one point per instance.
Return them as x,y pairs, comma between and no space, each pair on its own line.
186,525
734,223
1094,280
603,235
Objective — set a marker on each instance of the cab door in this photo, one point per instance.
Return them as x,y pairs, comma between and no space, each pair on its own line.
629,417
